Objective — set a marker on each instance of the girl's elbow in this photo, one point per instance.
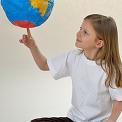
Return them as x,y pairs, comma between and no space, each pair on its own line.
44,67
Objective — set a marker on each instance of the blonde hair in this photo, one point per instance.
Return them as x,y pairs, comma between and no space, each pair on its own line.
108,55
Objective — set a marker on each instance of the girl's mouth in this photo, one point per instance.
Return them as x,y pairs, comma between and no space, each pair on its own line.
78,40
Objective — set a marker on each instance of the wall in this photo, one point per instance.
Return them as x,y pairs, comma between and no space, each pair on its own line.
25,91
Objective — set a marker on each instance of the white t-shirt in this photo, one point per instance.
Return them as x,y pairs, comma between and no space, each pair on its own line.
91,99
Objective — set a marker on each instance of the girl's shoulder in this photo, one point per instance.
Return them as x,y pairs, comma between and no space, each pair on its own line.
76,51
74,54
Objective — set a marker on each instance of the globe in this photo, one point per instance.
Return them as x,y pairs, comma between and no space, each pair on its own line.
27,13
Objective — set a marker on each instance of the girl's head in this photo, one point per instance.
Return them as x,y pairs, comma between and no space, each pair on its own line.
104,39
87,38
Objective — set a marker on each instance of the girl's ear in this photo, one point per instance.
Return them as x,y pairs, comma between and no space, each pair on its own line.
100,43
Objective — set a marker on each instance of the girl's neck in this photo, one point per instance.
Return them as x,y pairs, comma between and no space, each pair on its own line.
90,55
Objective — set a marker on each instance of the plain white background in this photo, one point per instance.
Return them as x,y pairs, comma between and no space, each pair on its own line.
25,91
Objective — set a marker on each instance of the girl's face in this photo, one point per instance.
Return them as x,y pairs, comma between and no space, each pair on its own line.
86,37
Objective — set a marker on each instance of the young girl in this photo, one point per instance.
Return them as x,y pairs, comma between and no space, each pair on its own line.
95,70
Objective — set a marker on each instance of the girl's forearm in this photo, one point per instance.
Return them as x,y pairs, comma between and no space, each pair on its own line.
39,58
116,111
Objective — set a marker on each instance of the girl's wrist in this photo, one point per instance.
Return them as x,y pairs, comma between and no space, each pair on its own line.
33,47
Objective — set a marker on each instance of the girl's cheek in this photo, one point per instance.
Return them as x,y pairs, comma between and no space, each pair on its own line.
83,38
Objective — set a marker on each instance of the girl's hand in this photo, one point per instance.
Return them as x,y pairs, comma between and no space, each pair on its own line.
27,40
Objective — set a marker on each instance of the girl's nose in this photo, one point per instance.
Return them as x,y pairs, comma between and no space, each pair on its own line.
78,34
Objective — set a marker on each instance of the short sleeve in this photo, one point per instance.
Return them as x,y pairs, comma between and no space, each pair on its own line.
58,66
116,93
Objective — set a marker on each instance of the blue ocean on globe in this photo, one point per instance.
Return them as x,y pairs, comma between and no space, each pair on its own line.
27,13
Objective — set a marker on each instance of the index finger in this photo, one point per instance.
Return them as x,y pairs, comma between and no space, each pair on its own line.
28,32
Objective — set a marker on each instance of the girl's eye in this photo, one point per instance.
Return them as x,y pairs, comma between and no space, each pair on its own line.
80,28
85,32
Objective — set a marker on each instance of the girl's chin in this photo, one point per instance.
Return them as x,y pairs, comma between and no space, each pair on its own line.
77,45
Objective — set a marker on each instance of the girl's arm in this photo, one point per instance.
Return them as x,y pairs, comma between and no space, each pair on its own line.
116,111
39,58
